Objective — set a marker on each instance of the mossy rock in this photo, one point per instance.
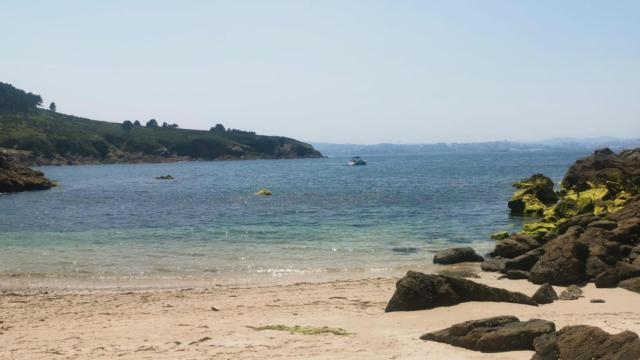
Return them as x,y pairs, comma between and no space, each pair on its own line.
500,235
533,196
539,227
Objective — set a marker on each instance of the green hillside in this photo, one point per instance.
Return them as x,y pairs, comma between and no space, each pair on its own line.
50,135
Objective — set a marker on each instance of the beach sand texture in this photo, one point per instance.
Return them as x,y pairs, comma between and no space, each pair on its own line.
219,323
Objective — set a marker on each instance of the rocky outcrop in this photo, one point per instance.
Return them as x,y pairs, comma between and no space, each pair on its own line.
457,255
533,196
15,177
582,342
501,333
515,245
563,262
418,291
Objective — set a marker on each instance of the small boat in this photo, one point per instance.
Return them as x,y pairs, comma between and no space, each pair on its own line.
357,160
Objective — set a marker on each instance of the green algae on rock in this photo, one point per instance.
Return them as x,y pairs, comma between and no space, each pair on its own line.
264,192
534,195
500,235
304,330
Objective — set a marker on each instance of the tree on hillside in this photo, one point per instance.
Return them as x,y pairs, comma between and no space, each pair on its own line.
174,126
12,99
127,125
52,106
218,129
152,123
165,125
137,123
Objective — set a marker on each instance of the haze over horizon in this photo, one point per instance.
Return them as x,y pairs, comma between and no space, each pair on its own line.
358,72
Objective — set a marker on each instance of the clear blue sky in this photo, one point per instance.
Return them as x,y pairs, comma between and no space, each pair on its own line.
336,71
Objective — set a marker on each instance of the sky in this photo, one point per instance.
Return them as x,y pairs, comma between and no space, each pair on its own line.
336,71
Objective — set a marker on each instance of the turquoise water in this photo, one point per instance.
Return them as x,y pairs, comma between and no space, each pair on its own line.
118,224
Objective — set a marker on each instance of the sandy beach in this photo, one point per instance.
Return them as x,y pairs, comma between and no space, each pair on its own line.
220,323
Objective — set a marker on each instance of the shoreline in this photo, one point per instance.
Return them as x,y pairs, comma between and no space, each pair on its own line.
221,322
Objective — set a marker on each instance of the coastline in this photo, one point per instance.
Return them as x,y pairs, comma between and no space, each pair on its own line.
216,322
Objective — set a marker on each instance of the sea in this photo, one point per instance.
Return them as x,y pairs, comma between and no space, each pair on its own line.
117,226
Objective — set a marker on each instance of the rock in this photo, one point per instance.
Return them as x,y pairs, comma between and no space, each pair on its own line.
627,271
545,294
597,301
500,235
525,261
501,333
582,342
632,284
264,192
595,266
457,255
572,292
546,347
600,183
15,177
165,177
564,260
517,274
533,196
418,291
635,252
459,273
604,224
636,261
493,264
515,245
607,279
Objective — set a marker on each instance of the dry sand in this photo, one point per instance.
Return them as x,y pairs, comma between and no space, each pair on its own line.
215,323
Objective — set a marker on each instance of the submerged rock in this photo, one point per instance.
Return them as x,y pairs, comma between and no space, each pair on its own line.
418,291
15,177
264,192
165,177
545,294
501,333
457,255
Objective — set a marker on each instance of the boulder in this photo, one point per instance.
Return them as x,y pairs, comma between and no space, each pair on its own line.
632,284
457,255
627,271
515,245
517,274
264,192
532,196
15,177
607,279
501,333
594,267
545,294
604,224
564,260
418,291
525,261
493,264
582,342
572,292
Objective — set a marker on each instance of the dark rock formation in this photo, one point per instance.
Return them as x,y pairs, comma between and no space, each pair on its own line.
517,274
533,196
502,333
515,245
582,342
493,264
545,294
572,292
165,177
457,255
418,291
607,279
525,261
631,284
15,177
564,260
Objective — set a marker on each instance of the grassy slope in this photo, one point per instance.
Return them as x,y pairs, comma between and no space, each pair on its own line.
50,134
